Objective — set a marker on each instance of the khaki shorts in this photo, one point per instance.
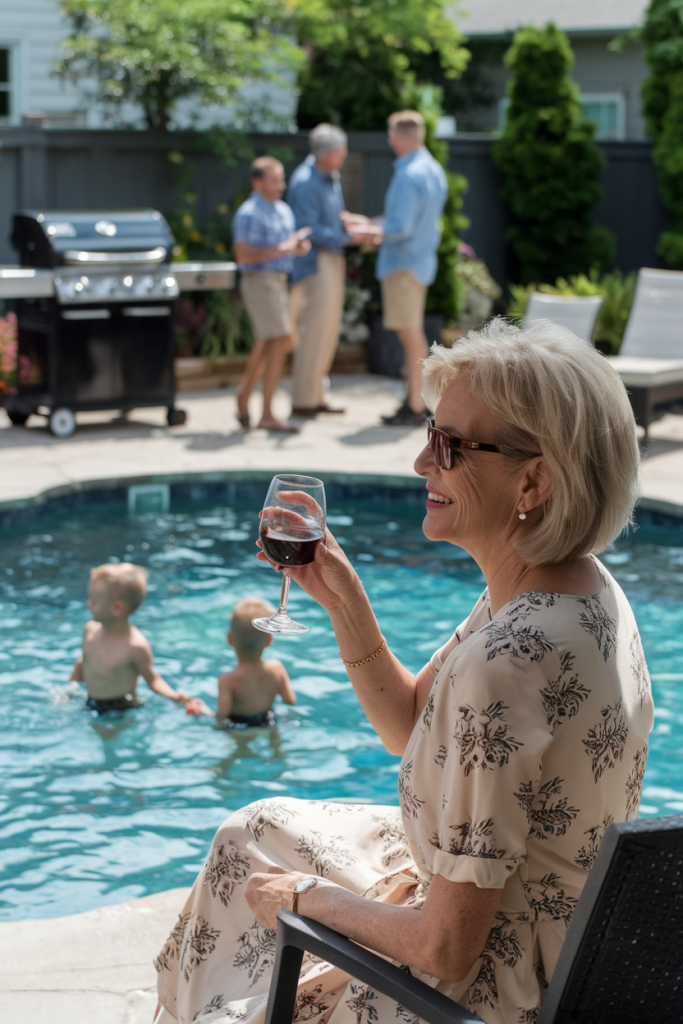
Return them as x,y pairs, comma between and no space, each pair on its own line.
403,300
266,296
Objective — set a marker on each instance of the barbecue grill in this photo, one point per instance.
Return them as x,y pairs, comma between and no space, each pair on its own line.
94,301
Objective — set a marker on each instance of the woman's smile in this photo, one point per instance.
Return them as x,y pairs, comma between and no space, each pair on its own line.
437,500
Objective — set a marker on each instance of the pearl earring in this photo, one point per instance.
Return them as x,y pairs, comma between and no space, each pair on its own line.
522,515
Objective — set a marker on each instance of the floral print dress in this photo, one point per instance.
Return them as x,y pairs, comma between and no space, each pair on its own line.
533,739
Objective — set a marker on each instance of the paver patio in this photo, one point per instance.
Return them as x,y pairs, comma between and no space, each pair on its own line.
32,461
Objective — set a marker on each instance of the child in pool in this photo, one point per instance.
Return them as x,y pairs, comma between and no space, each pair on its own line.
115,652
246,695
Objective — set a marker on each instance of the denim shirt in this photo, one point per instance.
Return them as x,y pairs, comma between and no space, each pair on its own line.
261,223
317,202
412,210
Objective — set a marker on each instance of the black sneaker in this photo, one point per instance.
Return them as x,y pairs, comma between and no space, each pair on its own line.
406,417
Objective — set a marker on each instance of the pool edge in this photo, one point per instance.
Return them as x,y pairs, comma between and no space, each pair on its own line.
17,510
15,506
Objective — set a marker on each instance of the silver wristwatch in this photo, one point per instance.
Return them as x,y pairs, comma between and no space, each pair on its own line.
303,886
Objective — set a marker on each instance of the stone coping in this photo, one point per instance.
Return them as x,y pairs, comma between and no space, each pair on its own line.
81,491
107,489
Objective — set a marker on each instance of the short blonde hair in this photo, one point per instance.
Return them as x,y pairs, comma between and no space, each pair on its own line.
408,122
244,635
261,165
125,582
552,393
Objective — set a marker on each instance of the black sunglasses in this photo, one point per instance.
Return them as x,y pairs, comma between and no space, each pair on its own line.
443,445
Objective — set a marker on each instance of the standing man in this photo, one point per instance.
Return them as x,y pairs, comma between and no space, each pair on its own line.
265,245
407,260
318,280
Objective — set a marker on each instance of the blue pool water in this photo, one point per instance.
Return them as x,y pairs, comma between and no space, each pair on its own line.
98,811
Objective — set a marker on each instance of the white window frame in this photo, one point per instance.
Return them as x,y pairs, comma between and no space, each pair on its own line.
14,90
619,100
586,97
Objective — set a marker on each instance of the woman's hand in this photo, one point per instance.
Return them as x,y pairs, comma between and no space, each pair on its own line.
330,579
268,894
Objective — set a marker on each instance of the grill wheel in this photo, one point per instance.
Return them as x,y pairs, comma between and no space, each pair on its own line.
62,422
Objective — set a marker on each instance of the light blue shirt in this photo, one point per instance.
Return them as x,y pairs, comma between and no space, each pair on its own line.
261,223
412,210
317,202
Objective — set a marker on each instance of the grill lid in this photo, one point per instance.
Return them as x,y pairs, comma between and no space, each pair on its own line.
90,238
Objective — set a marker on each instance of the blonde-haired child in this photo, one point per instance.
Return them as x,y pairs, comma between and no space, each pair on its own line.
246,695
115,652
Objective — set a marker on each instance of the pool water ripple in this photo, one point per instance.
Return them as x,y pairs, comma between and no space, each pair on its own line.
95,811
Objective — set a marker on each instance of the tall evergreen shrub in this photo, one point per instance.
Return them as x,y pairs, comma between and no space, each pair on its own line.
549,162
662,36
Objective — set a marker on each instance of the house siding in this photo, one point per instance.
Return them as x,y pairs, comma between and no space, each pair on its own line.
34,30
491,17
596,70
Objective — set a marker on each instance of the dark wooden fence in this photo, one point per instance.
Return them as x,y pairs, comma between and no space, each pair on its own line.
81,169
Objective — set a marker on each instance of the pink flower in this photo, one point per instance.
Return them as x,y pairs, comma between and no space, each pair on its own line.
8,345
466,250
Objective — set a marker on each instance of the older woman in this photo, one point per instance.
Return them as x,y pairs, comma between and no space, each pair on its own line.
522,738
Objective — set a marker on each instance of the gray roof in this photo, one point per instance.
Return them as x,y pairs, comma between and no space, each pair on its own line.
491,17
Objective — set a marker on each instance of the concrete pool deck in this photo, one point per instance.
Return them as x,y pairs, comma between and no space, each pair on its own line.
96,966
92,968
33,462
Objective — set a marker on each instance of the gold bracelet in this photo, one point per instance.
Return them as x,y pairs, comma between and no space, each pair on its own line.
364,661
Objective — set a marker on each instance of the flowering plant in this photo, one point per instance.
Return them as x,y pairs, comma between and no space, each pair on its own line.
8,352
475,275
353,325
479,290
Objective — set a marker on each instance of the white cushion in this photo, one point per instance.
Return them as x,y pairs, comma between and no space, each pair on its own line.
577,312
655,325
647,373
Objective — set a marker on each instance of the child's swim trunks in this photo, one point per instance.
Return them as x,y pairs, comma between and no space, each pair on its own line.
100,707
263,719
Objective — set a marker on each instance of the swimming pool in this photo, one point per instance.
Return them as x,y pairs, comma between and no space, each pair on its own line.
96,811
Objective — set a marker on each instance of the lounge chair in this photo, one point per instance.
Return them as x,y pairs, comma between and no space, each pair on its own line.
577,312
621,963
650,361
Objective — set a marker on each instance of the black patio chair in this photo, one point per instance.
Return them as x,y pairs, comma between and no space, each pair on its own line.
621,963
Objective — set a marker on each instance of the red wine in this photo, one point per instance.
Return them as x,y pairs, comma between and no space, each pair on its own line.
289,546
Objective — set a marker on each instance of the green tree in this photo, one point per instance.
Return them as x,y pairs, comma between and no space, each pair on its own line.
445,293
157,52
549,162
662,36
472,96
359,57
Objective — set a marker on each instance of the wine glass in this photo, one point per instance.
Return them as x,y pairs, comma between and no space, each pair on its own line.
292,526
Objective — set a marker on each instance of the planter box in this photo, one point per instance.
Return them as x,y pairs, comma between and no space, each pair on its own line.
350,357
199,374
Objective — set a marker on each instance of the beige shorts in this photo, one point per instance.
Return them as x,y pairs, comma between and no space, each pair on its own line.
403,300
265,294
